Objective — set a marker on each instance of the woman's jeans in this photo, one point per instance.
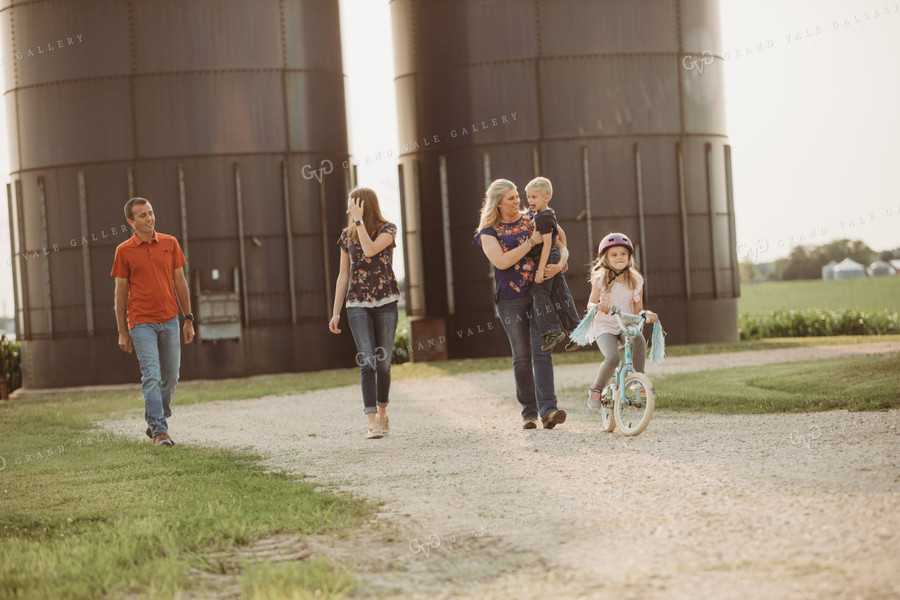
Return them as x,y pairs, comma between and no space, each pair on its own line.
158,348
373,331
534,387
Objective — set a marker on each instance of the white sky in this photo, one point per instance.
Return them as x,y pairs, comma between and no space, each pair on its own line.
813,122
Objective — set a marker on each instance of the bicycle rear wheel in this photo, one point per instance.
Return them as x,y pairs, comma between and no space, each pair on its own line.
633,414
607,420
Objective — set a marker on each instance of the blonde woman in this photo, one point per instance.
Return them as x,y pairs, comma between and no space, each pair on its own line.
506,234
366,284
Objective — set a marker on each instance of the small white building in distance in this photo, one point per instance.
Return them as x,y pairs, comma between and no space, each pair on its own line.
895,264
879,268
849,269
828,270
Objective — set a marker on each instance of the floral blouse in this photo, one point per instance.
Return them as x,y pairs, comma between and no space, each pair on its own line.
372,281
514,281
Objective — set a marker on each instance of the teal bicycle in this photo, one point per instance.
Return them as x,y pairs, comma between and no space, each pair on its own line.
628,399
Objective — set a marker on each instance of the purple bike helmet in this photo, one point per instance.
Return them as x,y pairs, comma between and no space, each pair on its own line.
614,239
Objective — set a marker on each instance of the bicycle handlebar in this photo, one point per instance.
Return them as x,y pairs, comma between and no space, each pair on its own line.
633,328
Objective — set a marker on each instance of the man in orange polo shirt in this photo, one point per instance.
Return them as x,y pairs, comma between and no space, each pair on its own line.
149,272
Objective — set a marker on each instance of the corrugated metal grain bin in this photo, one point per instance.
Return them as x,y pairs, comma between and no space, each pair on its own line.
614,101
214,110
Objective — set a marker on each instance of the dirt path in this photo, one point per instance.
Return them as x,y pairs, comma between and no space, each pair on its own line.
771,506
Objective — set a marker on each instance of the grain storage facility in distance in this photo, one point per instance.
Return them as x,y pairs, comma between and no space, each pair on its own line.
619,103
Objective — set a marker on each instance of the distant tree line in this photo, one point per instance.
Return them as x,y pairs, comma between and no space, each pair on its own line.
806,262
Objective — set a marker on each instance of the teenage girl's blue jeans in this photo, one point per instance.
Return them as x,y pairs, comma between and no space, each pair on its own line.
373,331
158,348
532,367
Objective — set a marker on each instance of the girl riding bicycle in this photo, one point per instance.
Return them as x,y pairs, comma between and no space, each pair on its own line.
615,282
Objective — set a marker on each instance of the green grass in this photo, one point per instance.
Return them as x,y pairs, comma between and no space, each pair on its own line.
91,515
867,383
868,293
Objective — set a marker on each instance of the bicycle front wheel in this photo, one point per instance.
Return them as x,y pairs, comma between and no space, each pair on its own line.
634,411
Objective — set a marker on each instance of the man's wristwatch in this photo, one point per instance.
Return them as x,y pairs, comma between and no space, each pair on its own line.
189,317
357,222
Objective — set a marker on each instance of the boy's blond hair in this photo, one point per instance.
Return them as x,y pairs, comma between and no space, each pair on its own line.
541,185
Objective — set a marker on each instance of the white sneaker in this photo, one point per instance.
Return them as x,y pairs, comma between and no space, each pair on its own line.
375,431
384,423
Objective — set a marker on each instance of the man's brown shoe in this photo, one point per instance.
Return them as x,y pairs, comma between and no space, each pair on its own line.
554,418
163,439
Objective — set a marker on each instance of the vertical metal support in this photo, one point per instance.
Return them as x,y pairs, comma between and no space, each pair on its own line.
448,246
182,199
732,243
640,204
45,264
420,308
589,217
86,256
349,178
243,254
14,259
685,245
325,261
712,221
487,170
289,239
403,224
130,182
25,300
354,179
536,160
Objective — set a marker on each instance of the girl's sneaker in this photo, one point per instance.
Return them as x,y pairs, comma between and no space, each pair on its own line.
594,397
384,423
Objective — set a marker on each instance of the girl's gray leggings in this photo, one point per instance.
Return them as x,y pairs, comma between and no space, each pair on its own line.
609,346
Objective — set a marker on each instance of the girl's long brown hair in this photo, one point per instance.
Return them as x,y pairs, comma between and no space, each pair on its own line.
371,214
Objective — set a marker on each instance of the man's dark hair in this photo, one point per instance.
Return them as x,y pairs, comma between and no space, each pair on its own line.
129,207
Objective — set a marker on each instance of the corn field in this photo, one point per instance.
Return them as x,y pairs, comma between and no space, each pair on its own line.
812,322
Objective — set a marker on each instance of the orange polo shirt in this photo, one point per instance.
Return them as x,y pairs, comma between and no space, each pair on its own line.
149,269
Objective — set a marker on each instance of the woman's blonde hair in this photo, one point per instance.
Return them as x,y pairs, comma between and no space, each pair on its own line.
602,272
371,218
490,212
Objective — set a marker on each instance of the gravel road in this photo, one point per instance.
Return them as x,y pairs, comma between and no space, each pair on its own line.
698,506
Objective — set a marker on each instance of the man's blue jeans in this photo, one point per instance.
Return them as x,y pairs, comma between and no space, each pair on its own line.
532,367
373,331
158,348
